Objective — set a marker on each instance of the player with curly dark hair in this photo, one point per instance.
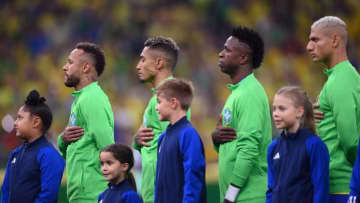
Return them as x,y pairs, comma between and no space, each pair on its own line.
243,132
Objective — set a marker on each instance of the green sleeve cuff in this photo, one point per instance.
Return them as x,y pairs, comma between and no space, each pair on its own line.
134,145
216,148
62,146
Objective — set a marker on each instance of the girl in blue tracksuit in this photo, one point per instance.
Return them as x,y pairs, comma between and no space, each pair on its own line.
34,170
298,160
116,162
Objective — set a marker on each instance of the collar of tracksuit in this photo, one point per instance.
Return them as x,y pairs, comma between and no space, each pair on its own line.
113,186
30,144
177,123
288,135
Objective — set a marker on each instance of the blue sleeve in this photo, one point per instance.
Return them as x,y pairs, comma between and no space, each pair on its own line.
100,196
51,168
319,166
130,197
355,178
5,190
192,150
270,172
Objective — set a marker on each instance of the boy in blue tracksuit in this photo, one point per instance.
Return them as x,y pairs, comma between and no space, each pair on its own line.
34,170
354,196
298,160
180,172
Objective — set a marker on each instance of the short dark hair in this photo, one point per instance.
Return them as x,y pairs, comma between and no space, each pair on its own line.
254,41
36,106
166,45
96,53
180,89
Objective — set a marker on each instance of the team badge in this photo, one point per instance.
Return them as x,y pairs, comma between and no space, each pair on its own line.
144,121
227,116
72,121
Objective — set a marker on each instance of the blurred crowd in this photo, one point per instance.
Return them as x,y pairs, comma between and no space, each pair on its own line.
37,36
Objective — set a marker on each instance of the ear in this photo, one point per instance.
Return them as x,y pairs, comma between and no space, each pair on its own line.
159,63
174,103
336,41
86,67
300,112
36,122
124,166
244,58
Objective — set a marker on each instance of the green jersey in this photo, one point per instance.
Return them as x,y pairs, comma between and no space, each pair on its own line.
149,154
339,100
243,160
90,110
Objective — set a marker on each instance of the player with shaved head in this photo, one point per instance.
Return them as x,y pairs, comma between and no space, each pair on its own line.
339,101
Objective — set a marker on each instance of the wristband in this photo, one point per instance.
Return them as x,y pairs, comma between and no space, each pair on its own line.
232,193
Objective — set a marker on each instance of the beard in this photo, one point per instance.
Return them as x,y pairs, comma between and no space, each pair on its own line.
228,69
72,81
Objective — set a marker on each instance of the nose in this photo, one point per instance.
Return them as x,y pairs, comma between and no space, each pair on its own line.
309,46
157,107
65,67
103,168
221,54
138,66
275,113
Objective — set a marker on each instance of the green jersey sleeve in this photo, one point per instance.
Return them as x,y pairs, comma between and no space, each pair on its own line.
249,138
344,111
99,121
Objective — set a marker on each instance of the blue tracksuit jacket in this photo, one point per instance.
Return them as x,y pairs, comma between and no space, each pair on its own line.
120,193
298,169
180,172
33,173
355,180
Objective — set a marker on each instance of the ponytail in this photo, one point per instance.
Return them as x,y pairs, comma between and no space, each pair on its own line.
308,117
131,180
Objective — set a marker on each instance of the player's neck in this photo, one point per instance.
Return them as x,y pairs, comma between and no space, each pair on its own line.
160,77
83,83
177,115
240,74
336,58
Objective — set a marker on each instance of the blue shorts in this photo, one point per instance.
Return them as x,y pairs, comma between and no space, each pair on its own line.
338,198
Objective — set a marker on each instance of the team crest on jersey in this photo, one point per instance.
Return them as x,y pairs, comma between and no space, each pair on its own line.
227,116
72,121
14,160
144,121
